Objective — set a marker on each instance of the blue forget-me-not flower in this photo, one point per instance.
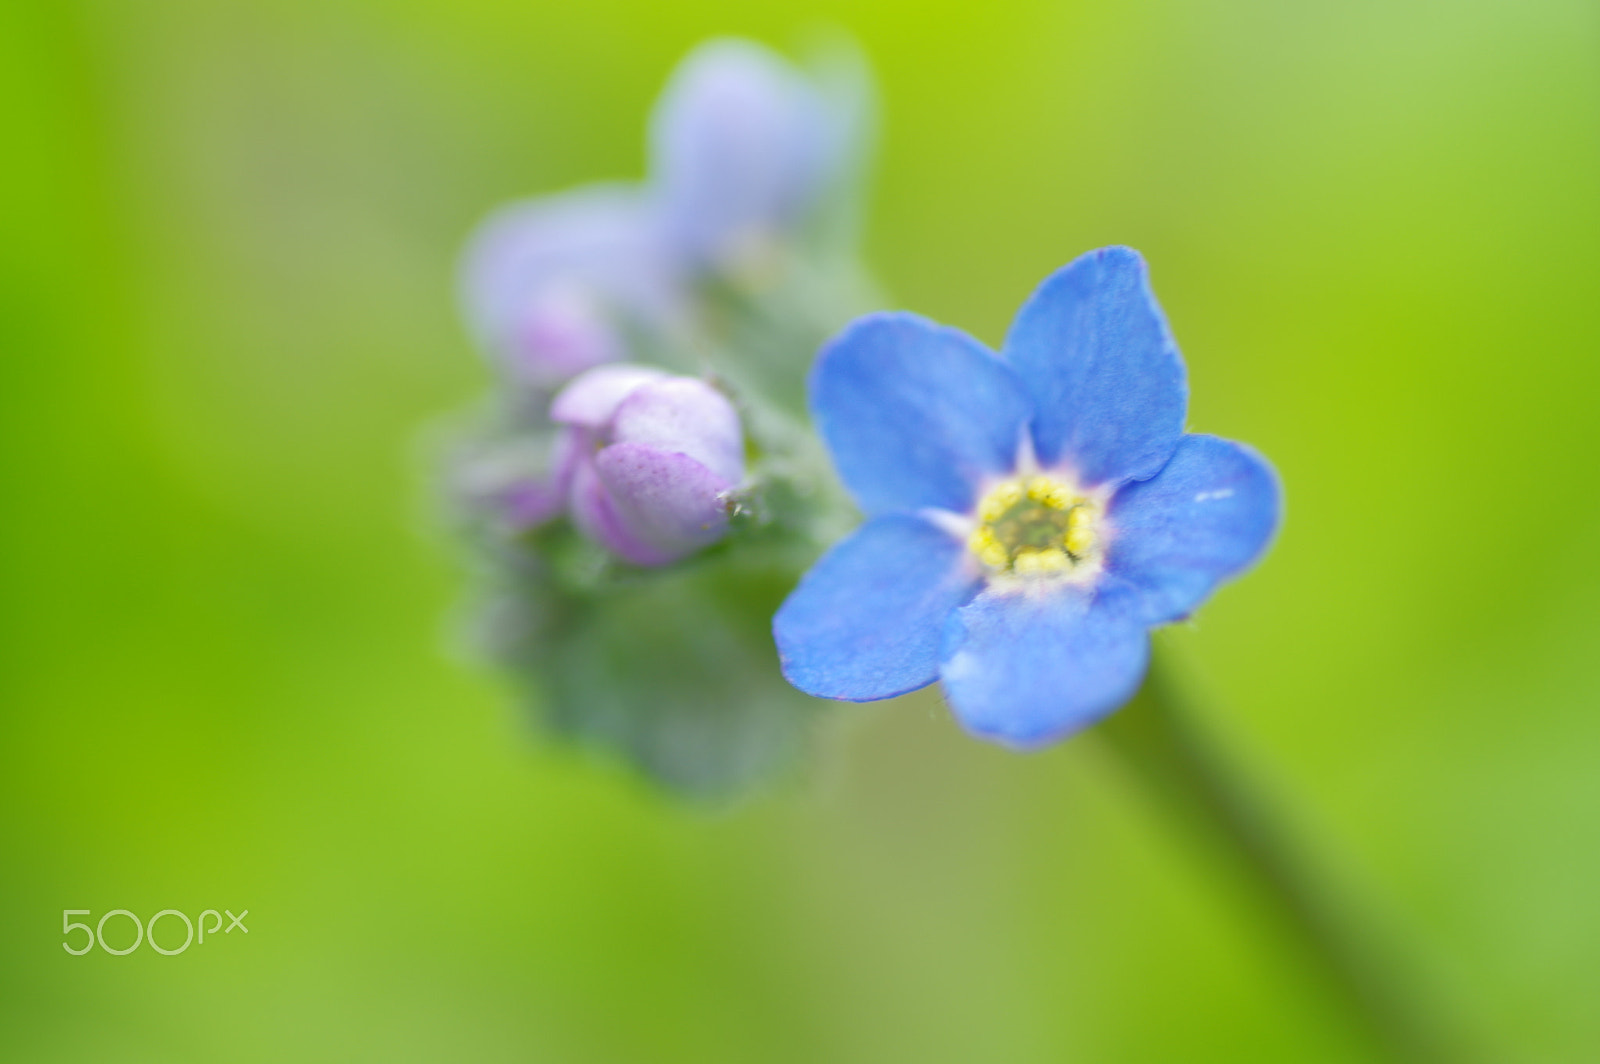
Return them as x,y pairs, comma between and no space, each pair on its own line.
1029,515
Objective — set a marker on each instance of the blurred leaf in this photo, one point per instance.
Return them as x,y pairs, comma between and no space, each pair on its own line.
673,669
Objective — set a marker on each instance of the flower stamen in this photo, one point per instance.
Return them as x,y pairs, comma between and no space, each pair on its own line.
1036,526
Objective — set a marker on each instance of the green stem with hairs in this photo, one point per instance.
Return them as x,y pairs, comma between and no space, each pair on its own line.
1157,739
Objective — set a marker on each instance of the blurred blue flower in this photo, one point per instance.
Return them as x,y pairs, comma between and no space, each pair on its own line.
650,462
742,149
1029,516
554,286
745,149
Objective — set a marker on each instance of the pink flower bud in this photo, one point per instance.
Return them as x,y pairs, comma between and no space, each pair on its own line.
657,456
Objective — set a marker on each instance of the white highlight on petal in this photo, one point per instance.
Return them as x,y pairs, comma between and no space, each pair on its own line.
958,525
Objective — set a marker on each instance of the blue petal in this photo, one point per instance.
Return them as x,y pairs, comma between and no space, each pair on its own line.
740,149
1204,518
1025,667
865,622
1107,382
915,414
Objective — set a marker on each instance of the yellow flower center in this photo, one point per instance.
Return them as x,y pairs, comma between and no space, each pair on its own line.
1036,526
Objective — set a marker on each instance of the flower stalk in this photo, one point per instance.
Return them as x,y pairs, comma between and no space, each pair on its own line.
1158,740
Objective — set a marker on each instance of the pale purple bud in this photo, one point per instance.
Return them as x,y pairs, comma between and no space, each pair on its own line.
590,400
741,150
553,286
659,457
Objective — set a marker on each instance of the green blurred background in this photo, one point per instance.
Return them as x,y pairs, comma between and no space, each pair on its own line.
229,675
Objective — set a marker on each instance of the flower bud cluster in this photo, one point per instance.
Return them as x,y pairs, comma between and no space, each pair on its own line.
641,488
574,295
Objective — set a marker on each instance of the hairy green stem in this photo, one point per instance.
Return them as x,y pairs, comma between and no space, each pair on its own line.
1156,736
